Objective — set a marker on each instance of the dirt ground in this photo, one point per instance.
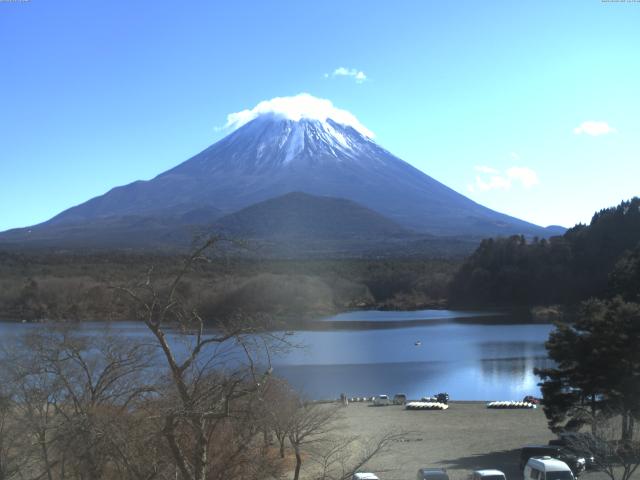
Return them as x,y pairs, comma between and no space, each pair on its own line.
466,437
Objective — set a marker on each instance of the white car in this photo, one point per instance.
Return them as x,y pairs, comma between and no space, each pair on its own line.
364,476
488,475
547,468
381,400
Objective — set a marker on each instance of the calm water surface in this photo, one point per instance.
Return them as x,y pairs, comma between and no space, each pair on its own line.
442,351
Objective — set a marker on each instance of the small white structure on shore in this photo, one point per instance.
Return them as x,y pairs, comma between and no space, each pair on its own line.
426,406
510,404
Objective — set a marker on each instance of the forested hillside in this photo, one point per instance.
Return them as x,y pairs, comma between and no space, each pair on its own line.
36,287
601,259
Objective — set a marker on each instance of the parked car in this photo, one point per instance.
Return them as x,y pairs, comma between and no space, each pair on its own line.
364,476
442,398
432,474
532,399
547,468
575,462
489,474
580,444
439,398
399,399
381,400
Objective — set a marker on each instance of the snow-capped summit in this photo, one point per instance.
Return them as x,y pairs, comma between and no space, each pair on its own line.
302,128
295,144
274,140
299,107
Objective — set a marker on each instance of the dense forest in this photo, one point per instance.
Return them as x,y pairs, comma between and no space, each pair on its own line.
36,287
601,259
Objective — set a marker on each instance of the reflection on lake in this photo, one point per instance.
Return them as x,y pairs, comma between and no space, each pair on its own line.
469,361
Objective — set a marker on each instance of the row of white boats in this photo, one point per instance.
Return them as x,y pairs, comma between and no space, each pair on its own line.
510,404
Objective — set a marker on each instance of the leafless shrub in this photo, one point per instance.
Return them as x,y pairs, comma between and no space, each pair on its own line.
609,451
338,458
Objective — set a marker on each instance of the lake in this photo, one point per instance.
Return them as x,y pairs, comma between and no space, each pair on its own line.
429,351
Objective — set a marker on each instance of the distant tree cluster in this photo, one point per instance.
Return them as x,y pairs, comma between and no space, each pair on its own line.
598,260
40,287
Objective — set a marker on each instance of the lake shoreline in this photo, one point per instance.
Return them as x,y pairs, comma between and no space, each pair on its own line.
495,316
320,326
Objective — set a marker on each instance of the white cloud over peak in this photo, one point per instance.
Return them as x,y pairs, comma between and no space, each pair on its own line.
358,75
485,169
296,108
490,178
593,128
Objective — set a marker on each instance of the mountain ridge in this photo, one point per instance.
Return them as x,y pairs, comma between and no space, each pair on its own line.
300,215
271,156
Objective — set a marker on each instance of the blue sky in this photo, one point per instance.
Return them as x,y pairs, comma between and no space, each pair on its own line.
490,98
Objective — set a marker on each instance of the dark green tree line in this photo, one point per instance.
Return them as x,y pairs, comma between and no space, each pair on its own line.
598,260
597,372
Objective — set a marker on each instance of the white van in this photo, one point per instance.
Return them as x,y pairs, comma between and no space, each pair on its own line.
382,400
547,468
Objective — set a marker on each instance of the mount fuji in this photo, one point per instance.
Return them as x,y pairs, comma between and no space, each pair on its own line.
291,144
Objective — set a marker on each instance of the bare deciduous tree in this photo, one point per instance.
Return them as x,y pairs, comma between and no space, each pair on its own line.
208,378
612,452
278,406
310,424
71,393
12,440
338,458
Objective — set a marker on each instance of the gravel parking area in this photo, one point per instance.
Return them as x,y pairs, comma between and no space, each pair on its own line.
466,437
